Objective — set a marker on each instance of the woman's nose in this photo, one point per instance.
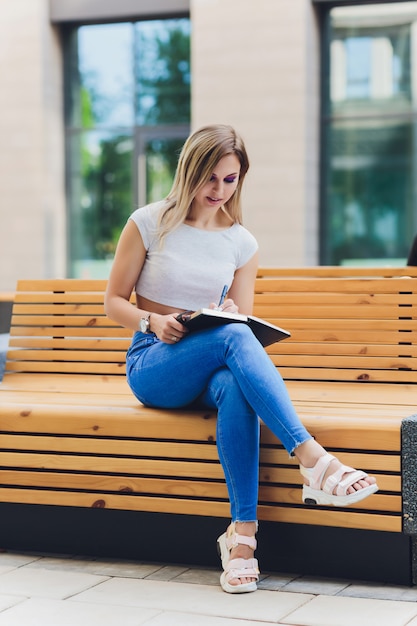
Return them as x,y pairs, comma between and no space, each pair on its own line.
217,186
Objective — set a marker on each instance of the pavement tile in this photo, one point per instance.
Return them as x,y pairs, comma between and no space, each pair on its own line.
199,577
382,592
124,569
186,619
342,611
8,559
274,583
43,612
167,572
263,606
57,584
316,586
7,601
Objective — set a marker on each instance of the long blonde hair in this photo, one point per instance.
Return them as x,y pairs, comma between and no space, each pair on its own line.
199,156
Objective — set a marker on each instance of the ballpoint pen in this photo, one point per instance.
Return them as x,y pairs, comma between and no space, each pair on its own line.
223,296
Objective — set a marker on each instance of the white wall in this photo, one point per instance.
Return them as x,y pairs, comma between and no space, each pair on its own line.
255,66
32,226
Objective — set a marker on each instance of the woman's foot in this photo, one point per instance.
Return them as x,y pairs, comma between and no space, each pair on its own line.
236,547
328,481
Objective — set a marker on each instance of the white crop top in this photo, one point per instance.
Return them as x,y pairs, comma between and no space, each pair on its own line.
191,268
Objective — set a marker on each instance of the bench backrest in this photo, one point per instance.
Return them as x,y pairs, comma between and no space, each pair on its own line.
346,324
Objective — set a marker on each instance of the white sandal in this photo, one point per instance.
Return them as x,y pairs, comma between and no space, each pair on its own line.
237,568
334,491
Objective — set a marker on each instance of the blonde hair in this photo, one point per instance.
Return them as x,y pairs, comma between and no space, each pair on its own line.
199,156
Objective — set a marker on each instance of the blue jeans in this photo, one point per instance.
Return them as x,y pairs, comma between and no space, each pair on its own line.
225,368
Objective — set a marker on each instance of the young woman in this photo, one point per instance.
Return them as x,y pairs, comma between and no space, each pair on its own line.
178,254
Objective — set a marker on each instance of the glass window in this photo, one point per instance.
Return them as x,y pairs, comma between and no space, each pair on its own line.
127,115
369,122
163,71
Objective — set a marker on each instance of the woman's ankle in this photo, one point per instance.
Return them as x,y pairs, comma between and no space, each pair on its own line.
248,529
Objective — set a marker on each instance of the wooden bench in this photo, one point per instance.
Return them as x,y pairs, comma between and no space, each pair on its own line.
74,439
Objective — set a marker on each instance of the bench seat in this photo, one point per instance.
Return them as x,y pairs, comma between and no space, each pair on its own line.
74,436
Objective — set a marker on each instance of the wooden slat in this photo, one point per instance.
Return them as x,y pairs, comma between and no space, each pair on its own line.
110,447
61,285
337,270
366,286
67,367
56,323
274,300
75,331
54,343
59,310
91,356
351,362
348,375
7,296
341,519
362,350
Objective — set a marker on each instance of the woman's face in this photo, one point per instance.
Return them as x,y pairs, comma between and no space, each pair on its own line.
221,186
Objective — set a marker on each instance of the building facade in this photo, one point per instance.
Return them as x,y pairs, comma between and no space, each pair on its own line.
280,71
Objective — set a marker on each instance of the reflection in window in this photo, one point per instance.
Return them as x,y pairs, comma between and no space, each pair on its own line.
370,156
161,161
106,75
101,198
162,51
122,80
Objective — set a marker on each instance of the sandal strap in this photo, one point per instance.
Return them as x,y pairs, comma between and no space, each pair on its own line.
233,540
316,474
242,568
336,480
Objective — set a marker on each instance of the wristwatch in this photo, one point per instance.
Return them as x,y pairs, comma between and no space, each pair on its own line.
144,324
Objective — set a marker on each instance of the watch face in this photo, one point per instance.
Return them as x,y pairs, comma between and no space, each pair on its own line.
144,325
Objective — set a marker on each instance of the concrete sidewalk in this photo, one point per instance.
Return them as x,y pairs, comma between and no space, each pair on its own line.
57,591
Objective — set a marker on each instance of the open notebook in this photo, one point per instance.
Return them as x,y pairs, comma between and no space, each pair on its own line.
265,332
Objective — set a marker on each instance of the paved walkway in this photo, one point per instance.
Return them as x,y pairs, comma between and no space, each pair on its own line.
57,591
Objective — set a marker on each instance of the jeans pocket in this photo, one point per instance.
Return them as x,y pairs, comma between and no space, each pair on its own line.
140,341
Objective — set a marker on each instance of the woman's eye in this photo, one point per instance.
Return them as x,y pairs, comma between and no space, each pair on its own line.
230,180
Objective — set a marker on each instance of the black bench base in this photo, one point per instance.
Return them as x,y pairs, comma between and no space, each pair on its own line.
191,540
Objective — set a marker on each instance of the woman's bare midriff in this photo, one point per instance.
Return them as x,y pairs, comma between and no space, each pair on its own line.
155,307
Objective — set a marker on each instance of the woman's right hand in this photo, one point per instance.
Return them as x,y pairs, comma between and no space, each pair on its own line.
167,328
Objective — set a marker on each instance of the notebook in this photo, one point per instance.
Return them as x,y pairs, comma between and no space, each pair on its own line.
202,319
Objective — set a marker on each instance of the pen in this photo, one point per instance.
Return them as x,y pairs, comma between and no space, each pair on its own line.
223,296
